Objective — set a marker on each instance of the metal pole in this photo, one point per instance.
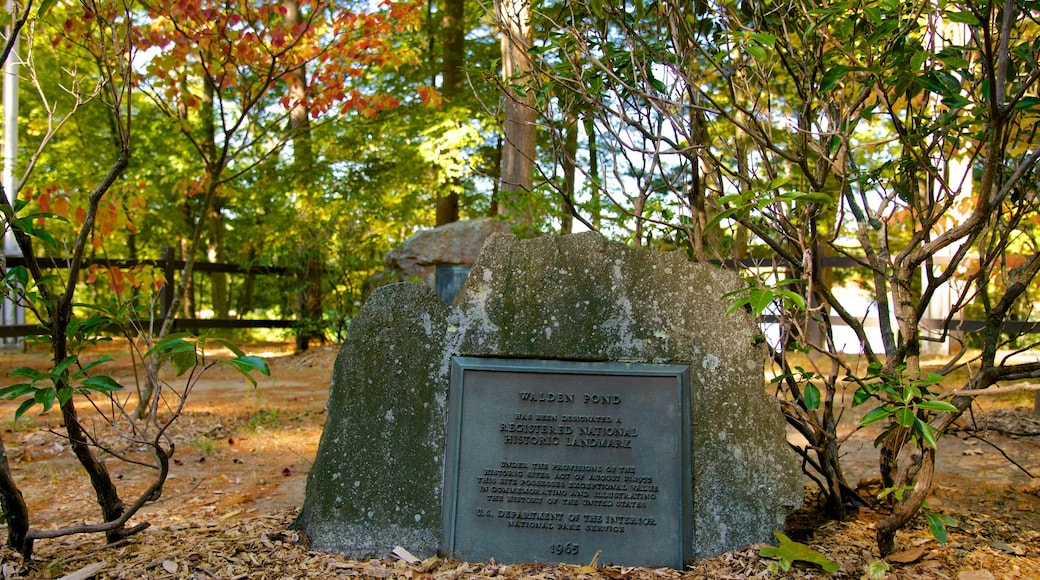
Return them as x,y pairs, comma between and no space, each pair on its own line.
12,313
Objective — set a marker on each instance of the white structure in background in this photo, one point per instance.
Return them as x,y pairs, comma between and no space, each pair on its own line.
958,177
13,314
854,300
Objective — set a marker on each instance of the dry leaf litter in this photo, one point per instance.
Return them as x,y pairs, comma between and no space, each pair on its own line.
228,508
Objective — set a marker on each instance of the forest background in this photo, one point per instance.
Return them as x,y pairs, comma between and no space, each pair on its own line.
899,135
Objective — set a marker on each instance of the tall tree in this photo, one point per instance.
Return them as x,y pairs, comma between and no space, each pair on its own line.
243,51
518,130
453,58
309,311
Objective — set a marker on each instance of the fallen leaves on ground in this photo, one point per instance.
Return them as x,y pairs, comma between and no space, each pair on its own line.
244,455
257,546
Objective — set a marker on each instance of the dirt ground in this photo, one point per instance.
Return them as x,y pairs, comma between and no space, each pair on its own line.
243,454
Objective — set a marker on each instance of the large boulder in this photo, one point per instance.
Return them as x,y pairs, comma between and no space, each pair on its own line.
376,482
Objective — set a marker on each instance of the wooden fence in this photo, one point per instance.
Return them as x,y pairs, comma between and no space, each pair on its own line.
170,268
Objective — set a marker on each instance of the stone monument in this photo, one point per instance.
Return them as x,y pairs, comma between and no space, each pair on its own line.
454,244
379,477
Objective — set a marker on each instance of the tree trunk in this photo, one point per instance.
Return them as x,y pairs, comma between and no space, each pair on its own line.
107,495
187,306
16,514
496,186
309,311
447,210
213,213
920,471
245,298
453,57
830,462
697,196
453,46
216,253
906,316
518,151
596,201
570,157
901,463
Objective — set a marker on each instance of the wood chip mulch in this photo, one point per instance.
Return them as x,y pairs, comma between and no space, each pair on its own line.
240,546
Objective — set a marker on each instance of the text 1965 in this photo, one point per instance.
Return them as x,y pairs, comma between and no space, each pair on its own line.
568,549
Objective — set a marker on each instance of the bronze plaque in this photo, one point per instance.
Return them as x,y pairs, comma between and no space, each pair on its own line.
556,461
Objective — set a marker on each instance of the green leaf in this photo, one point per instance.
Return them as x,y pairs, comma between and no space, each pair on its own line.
180,348
31,374
905,416
14,391
926,432
183,360
45,397
928,379
248,364
764,39
910,393
937,525
876,415
930,82
761,299
737,305
20,274
808,197
937,406
45,237
170,343
956,101
25,406
45,7
717,218
229,345
97,362
873,14
812,397
792,297
862,396
102,384
1027,103
898,492
756,51
790,551
954,60
64,365
962,17
64,395
731,198
832,77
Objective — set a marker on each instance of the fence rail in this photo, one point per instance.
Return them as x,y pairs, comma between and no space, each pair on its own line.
170,267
